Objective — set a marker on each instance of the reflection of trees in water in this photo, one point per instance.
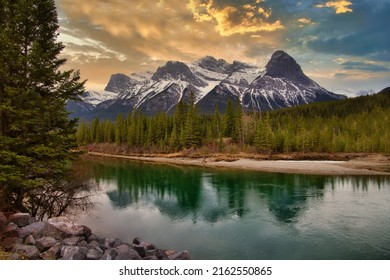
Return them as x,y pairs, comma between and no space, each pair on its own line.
286,194
359,182
163,184
179,192
66,196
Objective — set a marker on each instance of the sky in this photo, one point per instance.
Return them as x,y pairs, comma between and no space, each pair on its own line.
341,44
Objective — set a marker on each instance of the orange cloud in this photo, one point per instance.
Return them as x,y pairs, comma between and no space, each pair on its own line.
231,20
341,6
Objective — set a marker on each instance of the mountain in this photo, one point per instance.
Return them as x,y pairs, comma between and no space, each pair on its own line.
349,92
88,102
283,84
212,82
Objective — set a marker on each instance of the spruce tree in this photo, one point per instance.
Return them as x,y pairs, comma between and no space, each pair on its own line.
36,135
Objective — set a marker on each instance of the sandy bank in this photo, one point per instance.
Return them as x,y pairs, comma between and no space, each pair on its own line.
366,166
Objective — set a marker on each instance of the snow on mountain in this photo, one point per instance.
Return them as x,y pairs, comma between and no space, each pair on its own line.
350,92
283,84
96,97
212,82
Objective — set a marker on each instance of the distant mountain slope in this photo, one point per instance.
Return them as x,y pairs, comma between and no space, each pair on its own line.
213,82
340,108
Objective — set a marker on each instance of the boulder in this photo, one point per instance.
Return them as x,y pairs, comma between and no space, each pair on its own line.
36,229
69,252
52,253
31,252
86,232
9,242
20,219
141,250
184,255
94,254
62,227
159,253
11,230
124,252
72,241
138,241
45,243
109,254
30,240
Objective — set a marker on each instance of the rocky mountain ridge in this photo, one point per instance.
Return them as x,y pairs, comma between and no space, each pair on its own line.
213,82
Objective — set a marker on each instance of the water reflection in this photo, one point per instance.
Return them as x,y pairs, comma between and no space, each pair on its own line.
219,214
201,195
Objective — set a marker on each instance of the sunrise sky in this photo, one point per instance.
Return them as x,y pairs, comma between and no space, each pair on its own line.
339,43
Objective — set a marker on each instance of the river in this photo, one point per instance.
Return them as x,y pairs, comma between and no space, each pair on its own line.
235,214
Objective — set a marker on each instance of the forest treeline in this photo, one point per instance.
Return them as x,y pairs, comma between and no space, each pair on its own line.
360,124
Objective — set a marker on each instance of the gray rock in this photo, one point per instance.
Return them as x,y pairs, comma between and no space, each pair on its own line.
184,255
159,253
116,243
20,219
62,227
83,250
92,237
31,252
109,254
141,250
138,241
45,243
11,230
9,242
94,254
72,241
36,229
150,247
108,243
3,221
69,252
130,255
30,240
52,253
93,244
82,243
86,232
126,253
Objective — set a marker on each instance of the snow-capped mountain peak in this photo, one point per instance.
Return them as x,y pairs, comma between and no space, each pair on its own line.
213,82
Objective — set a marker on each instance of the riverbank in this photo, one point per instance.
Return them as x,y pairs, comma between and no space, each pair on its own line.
23,237
364,164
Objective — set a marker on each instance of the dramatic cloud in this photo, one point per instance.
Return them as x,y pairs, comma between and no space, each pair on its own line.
103,37
231,20
340,6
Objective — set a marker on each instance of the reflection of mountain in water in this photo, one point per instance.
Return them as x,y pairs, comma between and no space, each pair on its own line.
182,192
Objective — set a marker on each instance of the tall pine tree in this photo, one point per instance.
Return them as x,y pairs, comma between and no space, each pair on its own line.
36,136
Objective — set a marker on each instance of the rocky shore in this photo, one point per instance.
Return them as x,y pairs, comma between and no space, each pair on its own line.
60,238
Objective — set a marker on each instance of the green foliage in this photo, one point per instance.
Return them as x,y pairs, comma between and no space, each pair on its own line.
355,125
36,136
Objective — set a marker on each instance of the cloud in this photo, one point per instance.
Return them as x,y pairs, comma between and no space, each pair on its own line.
364,33
365,66
305,20
229,20
340,6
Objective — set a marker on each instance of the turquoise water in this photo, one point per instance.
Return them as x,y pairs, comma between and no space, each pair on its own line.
219,214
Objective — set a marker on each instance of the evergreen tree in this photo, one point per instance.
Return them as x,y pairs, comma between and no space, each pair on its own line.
229,121
36,136
192,128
